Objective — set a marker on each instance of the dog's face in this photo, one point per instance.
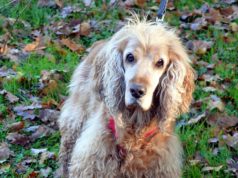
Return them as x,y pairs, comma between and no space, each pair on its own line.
144,67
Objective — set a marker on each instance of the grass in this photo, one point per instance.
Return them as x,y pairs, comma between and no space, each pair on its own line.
195,141
194,138
28,11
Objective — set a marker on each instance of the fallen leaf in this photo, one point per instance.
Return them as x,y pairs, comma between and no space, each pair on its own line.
196,119
215,151
187,17
112,2
28,107
37,151
36,45
32,46
213,16
87,2
18,139
198,24
33,174
73,27
216,102
46,75
49,87
22,167
15,127
210,78
46,3
232,164
210,66
46,156
197,104
228,1
16,55
204,8
213,140
4,72
129,3
66,11
9,96
32,128
198,155
3,49
72,45
85,29
209,89
194,162
45,172
48,81
42,131
199,47
5,152
231,140
27,112
234,27
226,11
140,2
50,103
171,6
222,120
209,168
59,3
50,117
199,63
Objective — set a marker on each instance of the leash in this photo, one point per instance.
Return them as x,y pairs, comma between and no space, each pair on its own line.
162,10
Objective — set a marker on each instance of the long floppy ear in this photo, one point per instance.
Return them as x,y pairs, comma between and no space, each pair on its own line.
177,85
110,75
98,65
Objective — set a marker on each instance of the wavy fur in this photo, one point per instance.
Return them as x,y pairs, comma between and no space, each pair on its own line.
97,92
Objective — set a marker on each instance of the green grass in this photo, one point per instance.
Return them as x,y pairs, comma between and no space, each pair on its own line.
28,11
194,138
195,142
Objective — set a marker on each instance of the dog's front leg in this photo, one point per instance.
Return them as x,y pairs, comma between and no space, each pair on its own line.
94,153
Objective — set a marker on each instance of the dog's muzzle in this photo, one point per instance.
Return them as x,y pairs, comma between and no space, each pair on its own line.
137,91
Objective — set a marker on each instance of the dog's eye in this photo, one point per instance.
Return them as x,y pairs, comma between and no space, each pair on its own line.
160,63
130,58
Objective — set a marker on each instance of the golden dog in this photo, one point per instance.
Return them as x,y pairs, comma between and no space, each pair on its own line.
124,98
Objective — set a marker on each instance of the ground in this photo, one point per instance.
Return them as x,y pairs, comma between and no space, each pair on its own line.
41,43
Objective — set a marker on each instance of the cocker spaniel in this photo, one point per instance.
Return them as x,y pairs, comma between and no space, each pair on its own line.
124,98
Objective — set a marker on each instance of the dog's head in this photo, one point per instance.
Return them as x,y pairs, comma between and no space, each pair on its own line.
144,66
147,67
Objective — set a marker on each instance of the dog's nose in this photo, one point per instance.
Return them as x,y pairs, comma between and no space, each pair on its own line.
137,91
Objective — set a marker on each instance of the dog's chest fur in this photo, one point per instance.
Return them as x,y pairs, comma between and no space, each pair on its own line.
138,150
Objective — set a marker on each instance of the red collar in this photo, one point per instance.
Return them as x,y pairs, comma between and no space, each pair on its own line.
112,127
120,150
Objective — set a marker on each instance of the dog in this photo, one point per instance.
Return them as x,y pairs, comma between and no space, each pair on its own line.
123,102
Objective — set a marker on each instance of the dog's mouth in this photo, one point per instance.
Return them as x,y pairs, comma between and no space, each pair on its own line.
132,104
135,104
